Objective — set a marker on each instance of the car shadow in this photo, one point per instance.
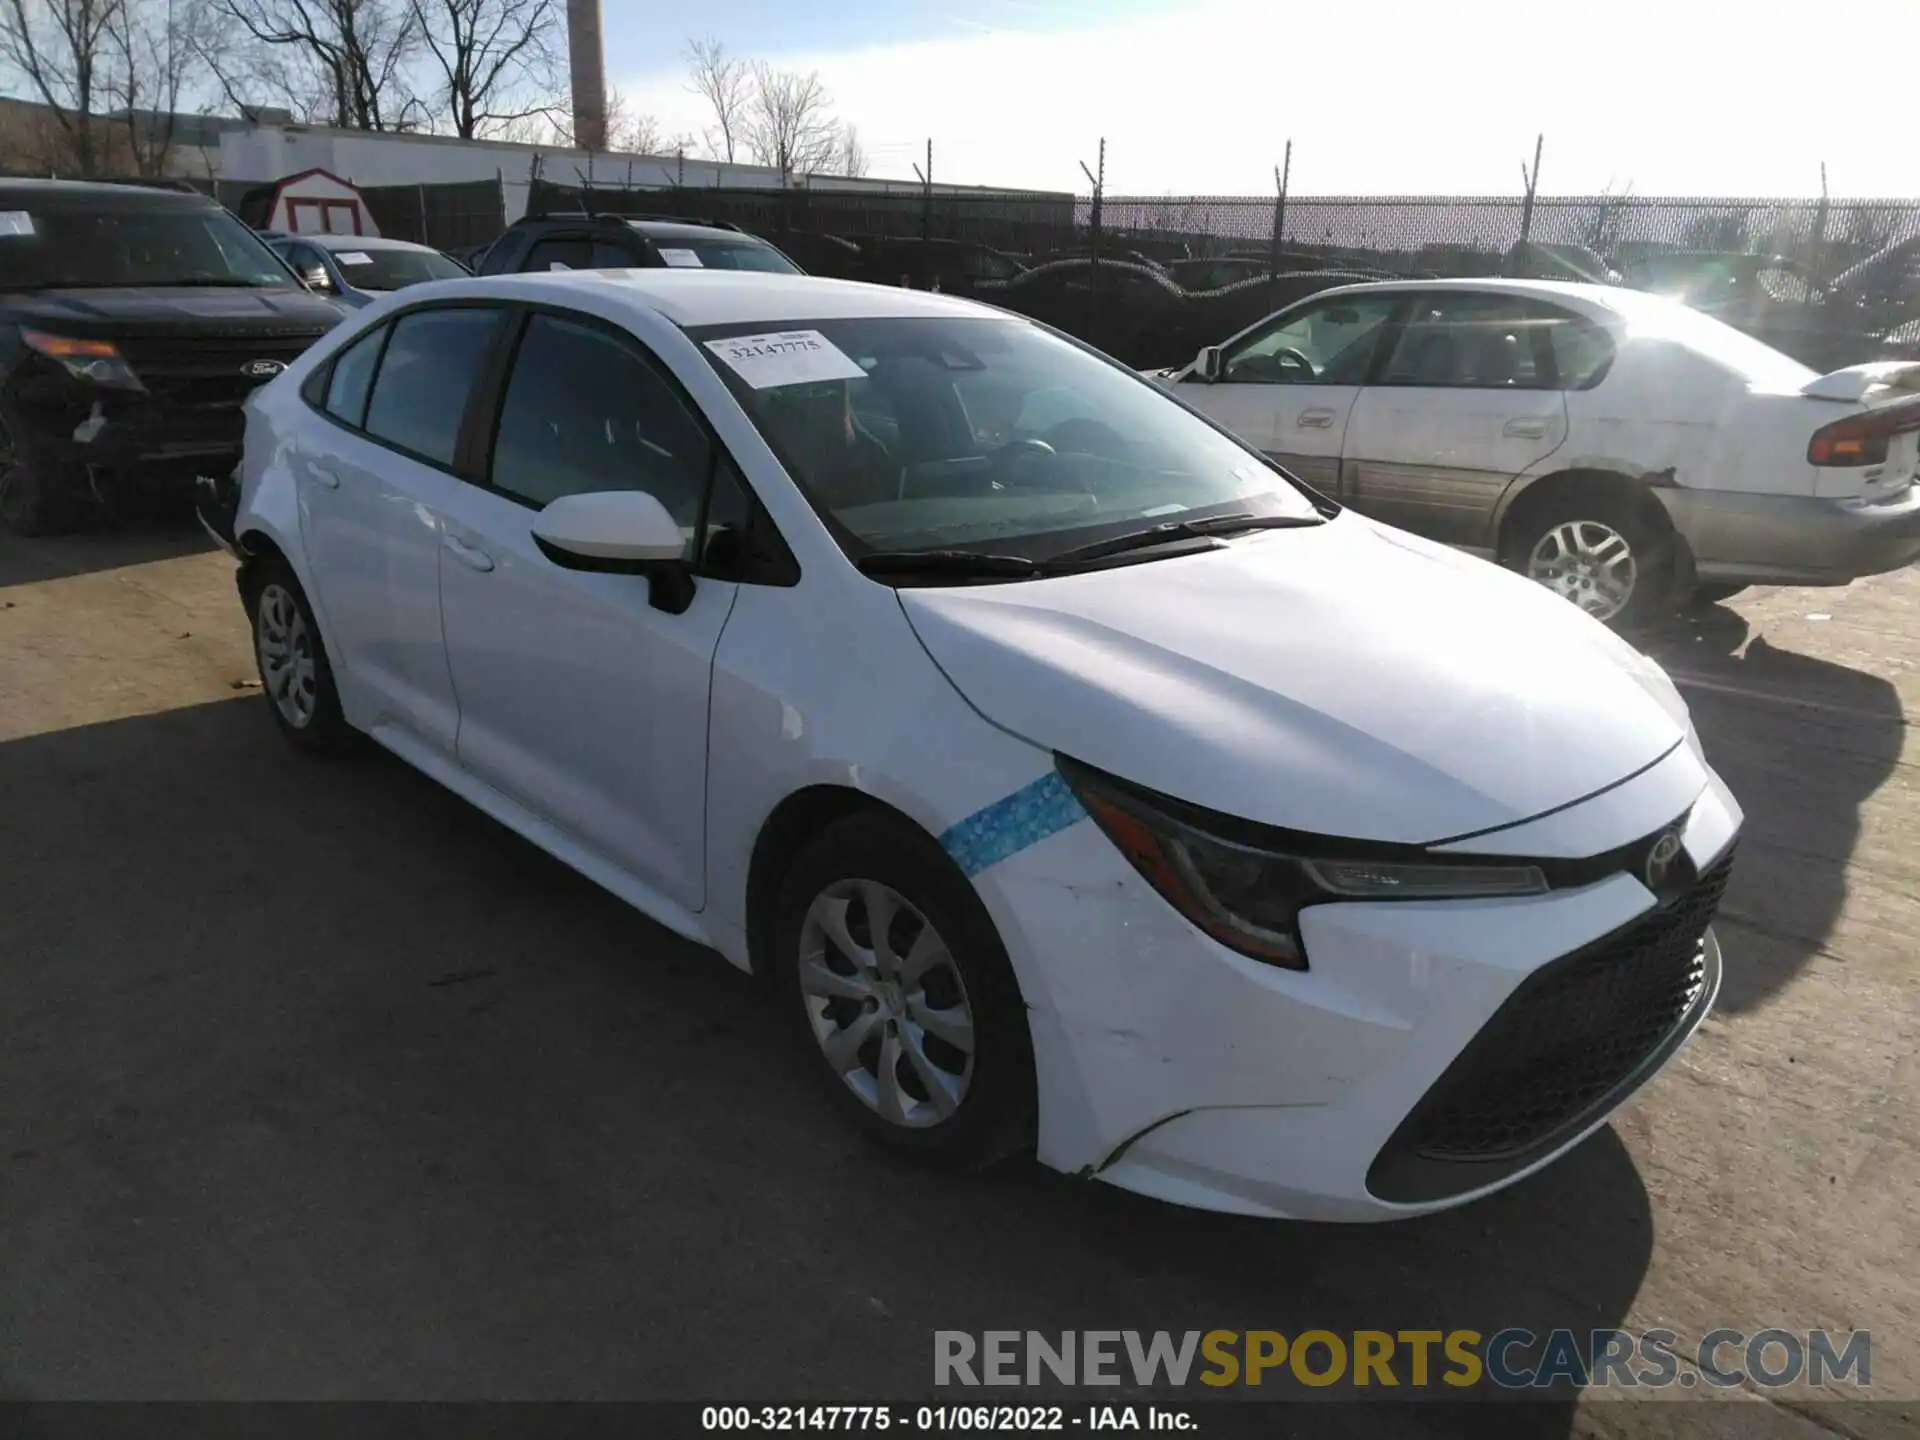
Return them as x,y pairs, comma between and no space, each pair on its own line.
109,544
322,1085
1803,743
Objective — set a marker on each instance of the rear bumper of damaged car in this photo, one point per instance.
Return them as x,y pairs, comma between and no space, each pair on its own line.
1754,539
1431,1053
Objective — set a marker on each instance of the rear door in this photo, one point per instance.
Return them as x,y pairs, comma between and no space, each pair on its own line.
374,470
1466,400
1288,386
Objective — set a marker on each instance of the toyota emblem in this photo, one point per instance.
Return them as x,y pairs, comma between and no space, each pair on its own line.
262,369
1660,859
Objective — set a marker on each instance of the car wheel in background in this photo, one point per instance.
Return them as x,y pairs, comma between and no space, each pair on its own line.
294,670
36,498
1598,551
895,978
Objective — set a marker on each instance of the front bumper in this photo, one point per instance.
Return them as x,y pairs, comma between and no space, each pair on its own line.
1752,539
127,441
1174,1067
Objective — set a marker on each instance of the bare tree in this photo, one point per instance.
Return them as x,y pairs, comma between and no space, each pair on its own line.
151,51
726,84
790,121
57,47
850,158
342,62
493,62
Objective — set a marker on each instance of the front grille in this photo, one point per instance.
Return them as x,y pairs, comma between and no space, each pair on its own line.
204,371
1572,1036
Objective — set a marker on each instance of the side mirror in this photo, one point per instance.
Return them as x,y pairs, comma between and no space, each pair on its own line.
619,532
317,279
1208,366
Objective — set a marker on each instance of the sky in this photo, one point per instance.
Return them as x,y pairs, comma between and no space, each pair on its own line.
1659,97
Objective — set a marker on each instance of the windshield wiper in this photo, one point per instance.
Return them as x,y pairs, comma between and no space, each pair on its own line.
961,564
1172,530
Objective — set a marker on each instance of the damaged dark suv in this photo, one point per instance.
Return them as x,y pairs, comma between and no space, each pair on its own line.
134,323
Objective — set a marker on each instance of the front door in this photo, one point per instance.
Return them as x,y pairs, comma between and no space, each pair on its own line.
370,483
1287,386
578,697
1465,402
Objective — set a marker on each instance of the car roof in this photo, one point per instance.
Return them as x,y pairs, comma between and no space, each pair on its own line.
99,195
1603,297
691,297
359,242
688,230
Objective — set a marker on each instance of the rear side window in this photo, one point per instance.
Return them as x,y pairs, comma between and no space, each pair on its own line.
353,378
610,255
585,411
1582,350
426,375
1468,341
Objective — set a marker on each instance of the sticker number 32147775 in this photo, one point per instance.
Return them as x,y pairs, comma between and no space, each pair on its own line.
786,357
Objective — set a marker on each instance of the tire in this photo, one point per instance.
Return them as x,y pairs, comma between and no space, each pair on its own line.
1714,594
1564,544
36,497
295,674
869,999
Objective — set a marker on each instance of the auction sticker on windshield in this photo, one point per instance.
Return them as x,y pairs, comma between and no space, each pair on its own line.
353,257
787,357
15,222
682,259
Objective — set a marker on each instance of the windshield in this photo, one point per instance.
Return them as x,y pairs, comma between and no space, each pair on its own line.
113,246
716,254
394,269
985,434
1652,317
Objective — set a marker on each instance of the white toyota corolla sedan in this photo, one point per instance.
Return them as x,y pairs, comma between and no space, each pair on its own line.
1082,782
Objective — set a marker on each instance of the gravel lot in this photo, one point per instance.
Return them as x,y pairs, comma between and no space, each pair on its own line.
318,1084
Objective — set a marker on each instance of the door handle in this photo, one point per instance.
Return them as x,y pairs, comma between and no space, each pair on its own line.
1526,428
1316,419
325,476
467,555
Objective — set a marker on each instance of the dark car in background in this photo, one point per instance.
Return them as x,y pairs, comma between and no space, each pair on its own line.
356,270
134,324
623,242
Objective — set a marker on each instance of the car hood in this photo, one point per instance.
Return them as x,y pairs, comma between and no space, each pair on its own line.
169,308
1348,680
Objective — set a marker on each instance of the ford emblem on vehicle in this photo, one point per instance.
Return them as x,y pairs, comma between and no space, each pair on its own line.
262,369
1660,859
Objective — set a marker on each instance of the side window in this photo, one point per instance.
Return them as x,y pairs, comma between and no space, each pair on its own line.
562,252
353,377
1581,350
426,375
1468,341
584,410
1329,343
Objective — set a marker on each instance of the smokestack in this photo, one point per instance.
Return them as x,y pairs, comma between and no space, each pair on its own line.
587,58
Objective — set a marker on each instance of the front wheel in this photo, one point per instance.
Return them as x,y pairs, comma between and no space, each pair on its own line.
1596,551
897,983
37,497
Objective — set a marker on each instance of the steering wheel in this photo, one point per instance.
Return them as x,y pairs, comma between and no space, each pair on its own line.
1296,360
1025,445
1084,435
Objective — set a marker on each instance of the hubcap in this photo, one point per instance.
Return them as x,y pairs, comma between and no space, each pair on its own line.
1587,562
886,1003
287,668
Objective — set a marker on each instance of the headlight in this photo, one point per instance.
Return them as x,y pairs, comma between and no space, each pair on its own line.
96,361
1249,895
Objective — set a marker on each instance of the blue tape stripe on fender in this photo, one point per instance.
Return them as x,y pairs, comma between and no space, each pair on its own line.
1006,827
